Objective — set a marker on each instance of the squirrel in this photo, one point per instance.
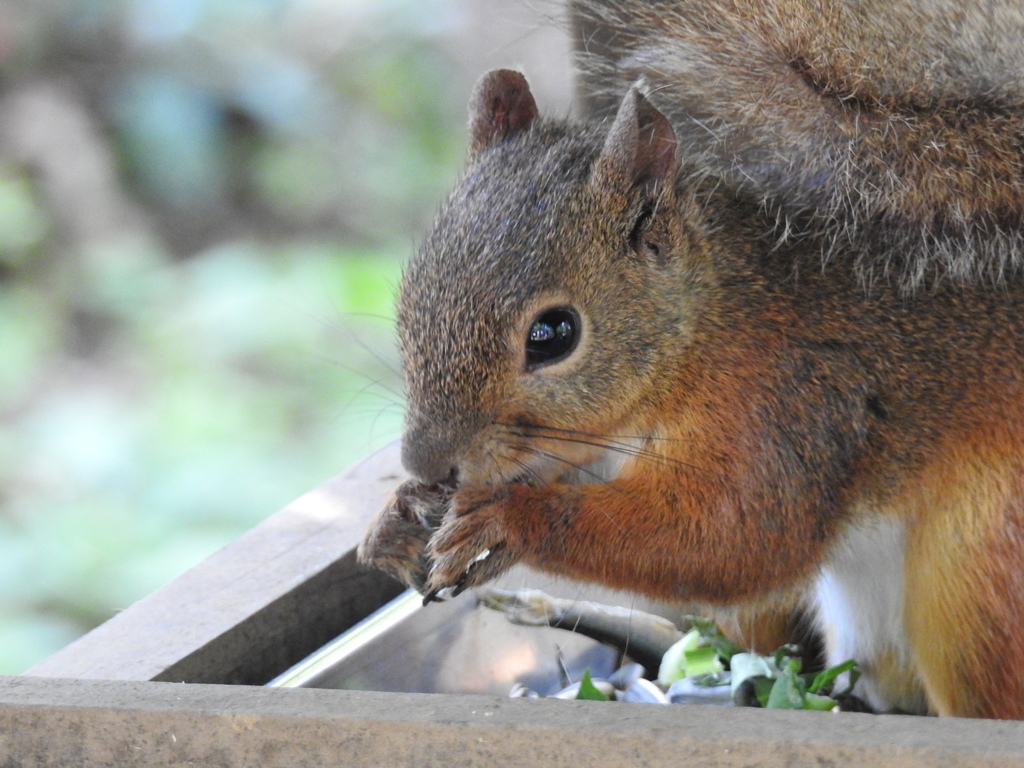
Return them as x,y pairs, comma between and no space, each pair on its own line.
618,369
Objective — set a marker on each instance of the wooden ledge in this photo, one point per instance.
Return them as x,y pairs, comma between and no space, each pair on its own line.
46,722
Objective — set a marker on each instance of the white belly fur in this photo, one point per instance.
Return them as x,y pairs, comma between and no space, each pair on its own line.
859,605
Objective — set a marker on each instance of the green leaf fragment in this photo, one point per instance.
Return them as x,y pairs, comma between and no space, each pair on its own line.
826,678
788,691
673,662
712,635
702,661
785,654
820,703
750,665
587,691
777,680
689,657
762,689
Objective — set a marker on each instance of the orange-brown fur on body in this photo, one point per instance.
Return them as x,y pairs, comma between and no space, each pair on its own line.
964,572
734,422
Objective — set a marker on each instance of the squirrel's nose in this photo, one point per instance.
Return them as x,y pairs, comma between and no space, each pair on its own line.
427,460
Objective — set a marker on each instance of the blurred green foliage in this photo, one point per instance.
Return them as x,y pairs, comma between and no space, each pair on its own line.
197,332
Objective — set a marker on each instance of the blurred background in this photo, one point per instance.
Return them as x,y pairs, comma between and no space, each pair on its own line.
204,209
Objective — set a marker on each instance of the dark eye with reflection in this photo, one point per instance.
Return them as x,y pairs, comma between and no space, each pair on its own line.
552,337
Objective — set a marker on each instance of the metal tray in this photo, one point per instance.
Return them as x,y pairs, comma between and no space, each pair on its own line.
458,647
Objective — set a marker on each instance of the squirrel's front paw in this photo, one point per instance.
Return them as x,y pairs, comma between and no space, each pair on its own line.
474,543
397,538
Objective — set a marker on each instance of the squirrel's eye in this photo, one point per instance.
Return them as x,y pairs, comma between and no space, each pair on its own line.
552,336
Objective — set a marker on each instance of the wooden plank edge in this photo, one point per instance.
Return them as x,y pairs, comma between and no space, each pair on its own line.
49,722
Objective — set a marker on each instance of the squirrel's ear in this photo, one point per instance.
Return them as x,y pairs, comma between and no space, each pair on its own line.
640,149
501,106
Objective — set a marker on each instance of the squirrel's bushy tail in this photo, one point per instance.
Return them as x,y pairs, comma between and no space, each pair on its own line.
893,130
